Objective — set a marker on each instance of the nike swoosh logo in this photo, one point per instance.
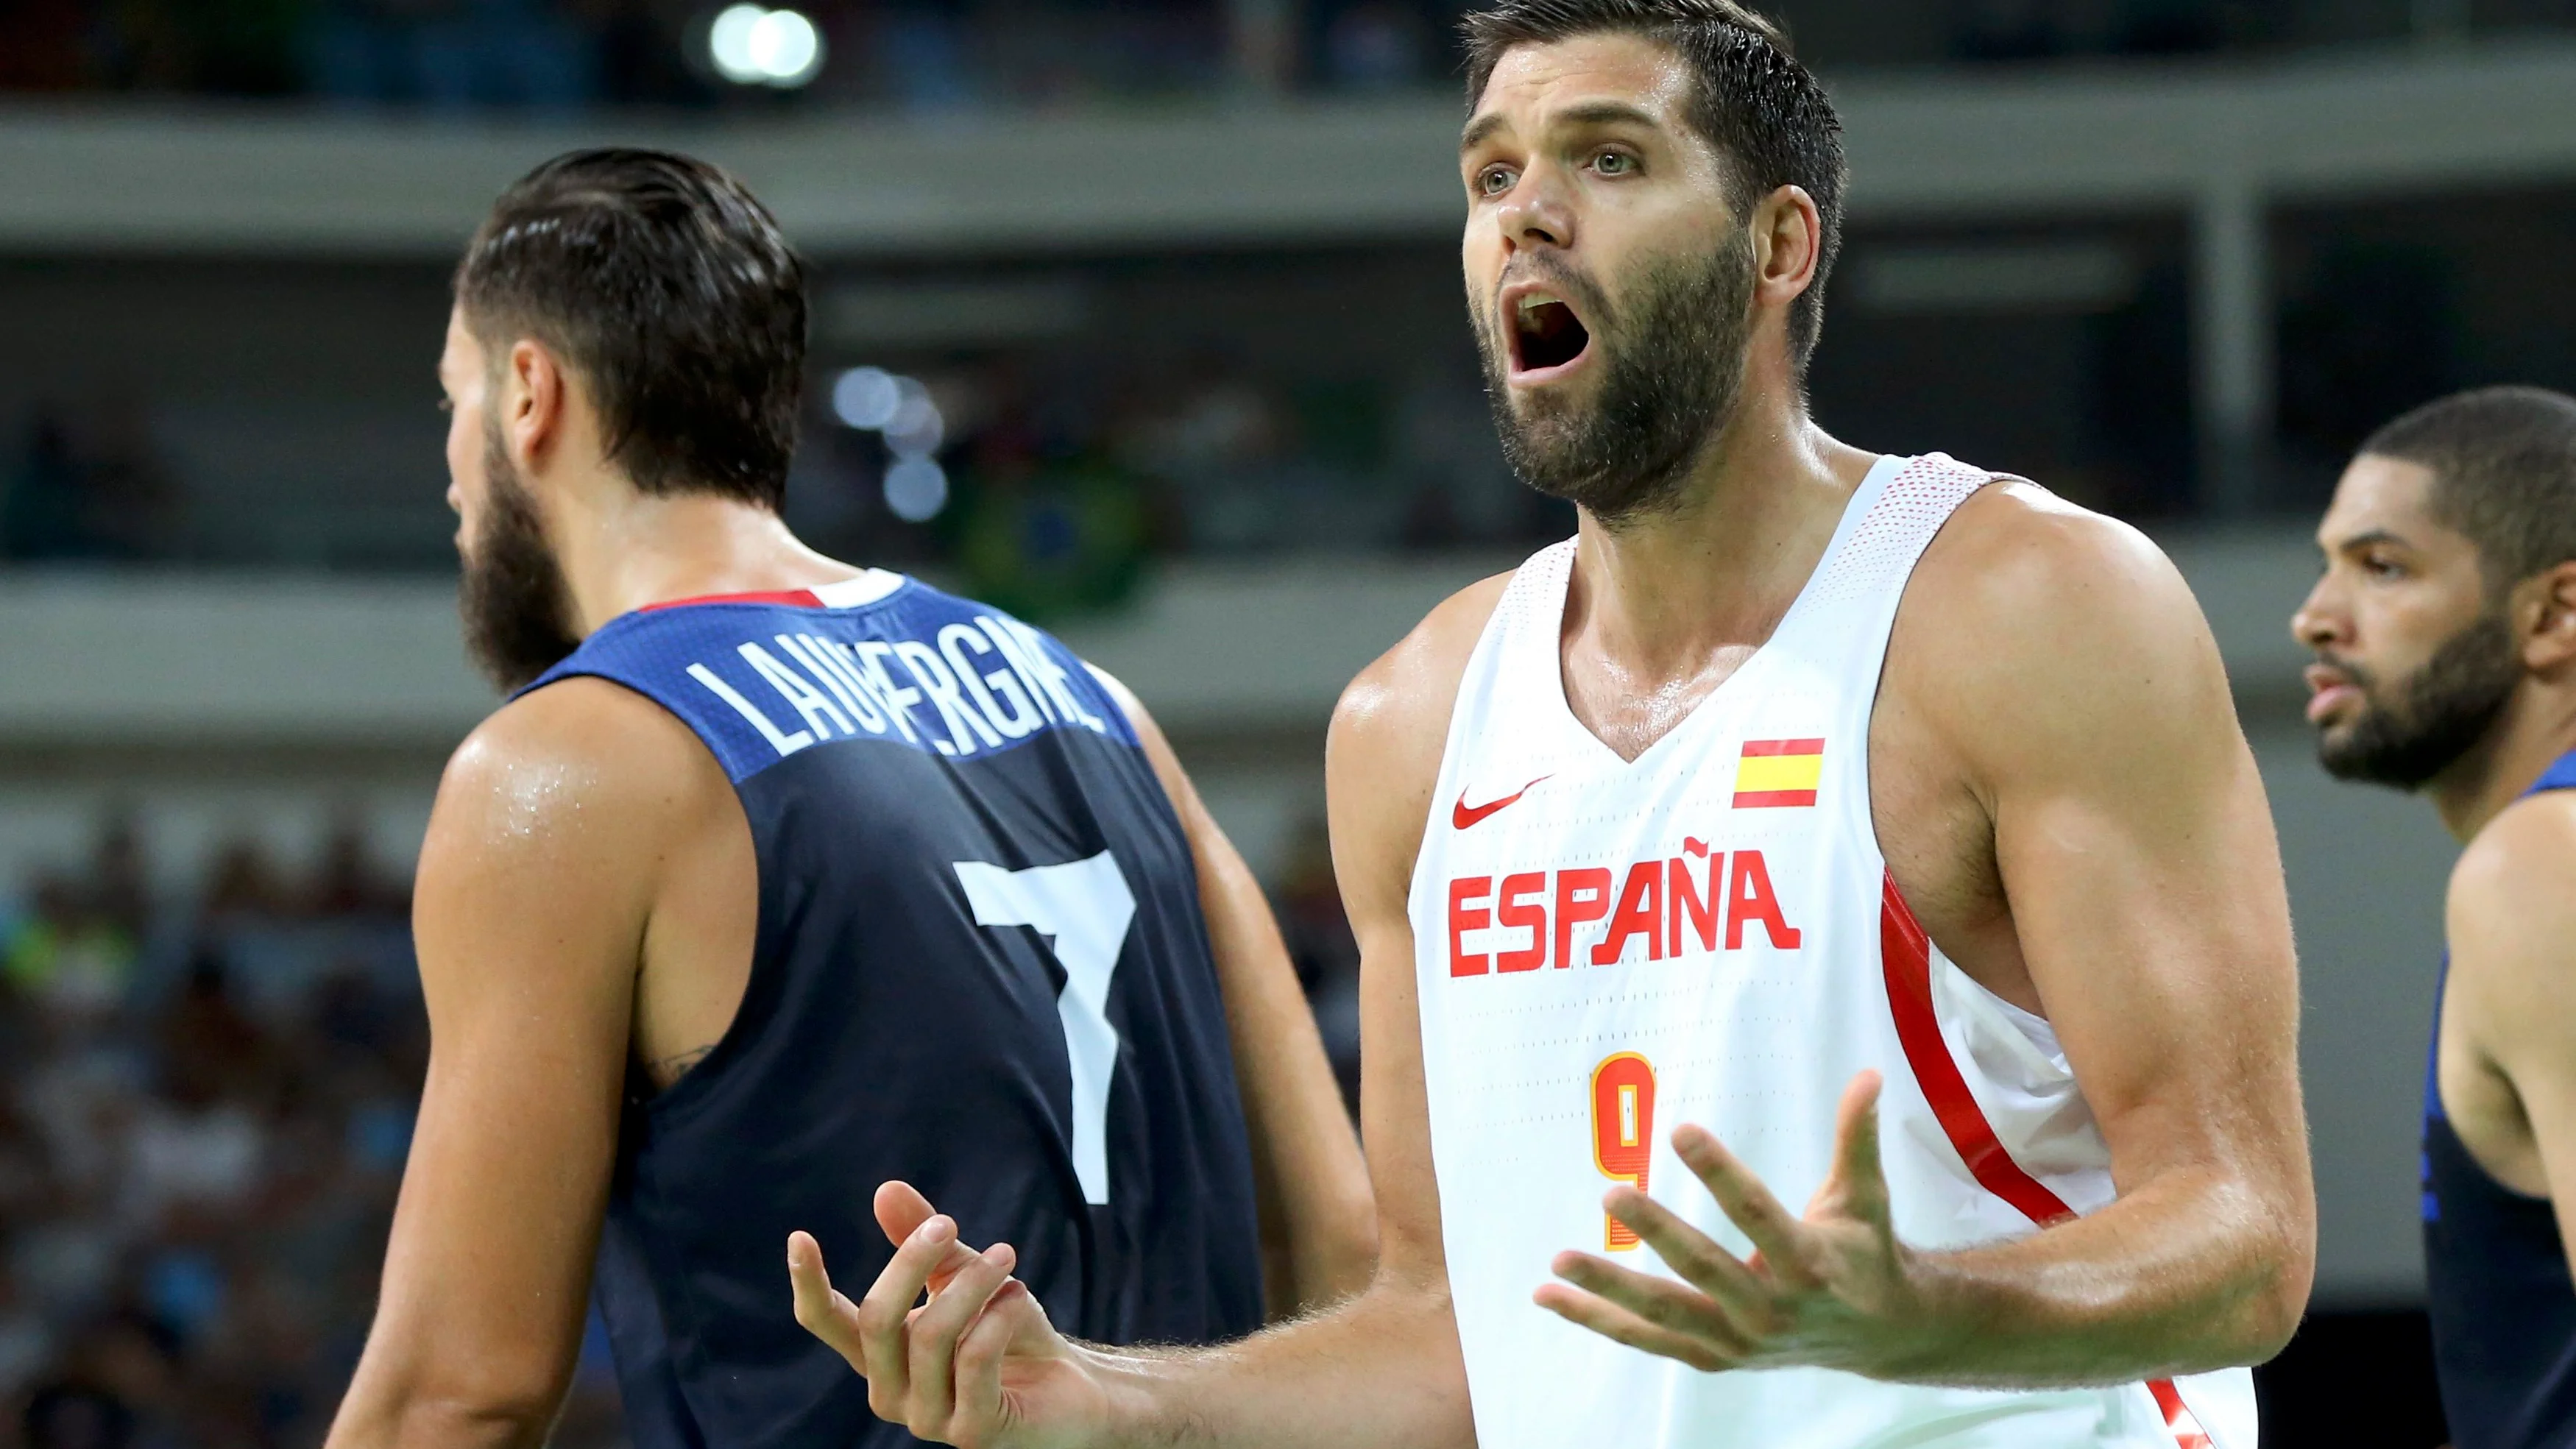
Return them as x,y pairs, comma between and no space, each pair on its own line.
1465,816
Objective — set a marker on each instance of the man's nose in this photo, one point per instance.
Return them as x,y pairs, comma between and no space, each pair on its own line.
2320,620
1536,214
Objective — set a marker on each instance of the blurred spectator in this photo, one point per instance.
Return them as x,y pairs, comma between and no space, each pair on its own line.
45,514
91,486
451,54
196,1179
1374,46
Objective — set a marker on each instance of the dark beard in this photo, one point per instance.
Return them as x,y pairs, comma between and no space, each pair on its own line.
2443,711
517,607
1673,363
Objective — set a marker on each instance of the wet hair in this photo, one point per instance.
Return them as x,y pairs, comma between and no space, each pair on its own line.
1765,113
2503,461
669,290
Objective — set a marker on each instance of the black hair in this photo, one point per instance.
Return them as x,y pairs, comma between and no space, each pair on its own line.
1764,111
669,289
2503,461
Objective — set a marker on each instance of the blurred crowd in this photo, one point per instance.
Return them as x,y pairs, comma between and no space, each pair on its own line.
203,1119
934,54
204,1113
1066,479
566,54
1063,480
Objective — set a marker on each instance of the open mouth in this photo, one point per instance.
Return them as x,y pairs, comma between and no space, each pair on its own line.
1546,335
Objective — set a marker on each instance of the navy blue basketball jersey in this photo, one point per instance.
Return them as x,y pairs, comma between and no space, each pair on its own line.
2503,1305
980,967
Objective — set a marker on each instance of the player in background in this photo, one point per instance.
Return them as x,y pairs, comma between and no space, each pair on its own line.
777,877
2445,633
1816,826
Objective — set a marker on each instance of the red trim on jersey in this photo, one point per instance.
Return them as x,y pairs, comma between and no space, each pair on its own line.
1773,799
793,598
1905,953
1757,749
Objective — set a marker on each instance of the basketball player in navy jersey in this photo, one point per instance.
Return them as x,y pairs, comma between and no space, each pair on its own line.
777,878
2445,633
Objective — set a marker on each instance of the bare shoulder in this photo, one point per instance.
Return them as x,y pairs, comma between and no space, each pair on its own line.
2512,909
2029,613
2019,562
1400,704
581,759
1382,755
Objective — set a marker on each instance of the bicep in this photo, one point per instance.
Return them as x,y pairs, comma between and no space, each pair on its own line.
2152,918
1378,798
2512,929
2137,855
528,913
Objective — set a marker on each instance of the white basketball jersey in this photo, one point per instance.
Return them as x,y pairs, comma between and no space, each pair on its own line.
1609,948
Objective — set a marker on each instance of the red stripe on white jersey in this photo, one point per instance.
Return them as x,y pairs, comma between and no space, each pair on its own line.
1906,953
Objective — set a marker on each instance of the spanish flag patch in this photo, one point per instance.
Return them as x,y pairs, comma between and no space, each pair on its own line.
1778,773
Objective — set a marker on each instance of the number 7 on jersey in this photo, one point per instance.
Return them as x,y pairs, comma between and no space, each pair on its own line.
1084,908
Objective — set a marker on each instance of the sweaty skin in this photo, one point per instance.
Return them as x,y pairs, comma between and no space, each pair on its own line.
2396,584
2063,795
587,899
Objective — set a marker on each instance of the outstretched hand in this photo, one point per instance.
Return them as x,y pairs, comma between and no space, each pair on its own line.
1833,1288
978,1365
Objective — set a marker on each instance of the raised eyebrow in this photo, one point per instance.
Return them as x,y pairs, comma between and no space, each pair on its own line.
1608,113
2369,537
1590,113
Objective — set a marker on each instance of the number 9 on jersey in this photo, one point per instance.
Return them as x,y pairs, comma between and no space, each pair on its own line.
1623,1131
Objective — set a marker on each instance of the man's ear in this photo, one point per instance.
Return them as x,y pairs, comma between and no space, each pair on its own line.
1788,241
2547,618
533,405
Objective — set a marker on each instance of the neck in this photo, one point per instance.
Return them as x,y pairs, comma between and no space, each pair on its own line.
621,550
2538,726
1669,592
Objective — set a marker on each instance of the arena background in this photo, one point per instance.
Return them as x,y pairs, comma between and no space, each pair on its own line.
1143,319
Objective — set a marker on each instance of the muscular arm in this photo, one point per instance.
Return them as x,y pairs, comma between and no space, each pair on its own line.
978,1366
2066,663
1318,1226
2512,929
533,901
2081,826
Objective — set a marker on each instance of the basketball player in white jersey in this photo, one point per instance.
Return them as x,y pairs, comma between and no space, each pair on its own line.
1814,826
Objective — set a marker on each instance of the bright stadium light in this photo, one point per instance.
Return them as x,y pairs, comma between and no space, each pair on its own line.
866,398
916,488
916,426
754,45
729,43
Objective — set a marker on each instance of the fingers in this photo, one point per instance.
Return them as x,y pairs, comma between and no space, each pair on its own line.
1689,1252
1746,1200
1618,1324
824,1313
934,1333
1858,1171
883,1313
1736,1327
978,1369
901,1210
